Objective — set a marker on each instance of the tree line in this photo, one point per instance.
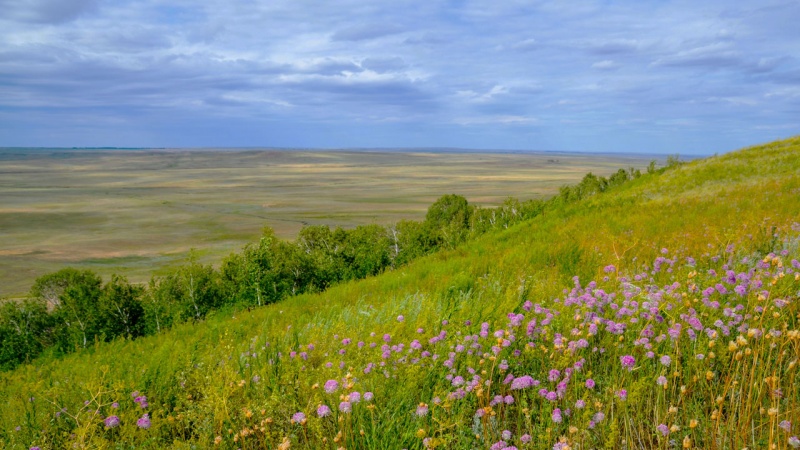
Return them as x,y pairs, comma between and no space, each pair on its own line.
72,309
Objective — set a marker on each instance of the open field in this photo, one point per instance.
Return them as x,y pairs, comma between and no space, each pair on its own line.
136,212
662,313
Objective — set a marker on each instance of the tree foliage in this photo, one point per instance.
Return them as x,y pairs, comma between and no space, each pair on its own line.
71,309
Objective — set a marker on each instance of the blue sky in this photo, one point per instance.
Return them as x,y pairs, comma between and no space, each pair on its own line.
683,77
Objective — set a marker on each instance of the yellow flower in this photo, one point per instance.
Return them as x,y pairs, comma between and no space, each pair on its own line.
687,443
421,433
693,423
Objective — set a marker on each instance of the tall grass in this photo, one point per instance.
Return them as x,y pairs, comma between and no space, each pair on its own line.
240,378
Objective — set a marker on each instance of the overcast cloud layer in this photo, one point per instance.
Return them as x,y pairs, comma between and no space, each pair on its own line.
628,76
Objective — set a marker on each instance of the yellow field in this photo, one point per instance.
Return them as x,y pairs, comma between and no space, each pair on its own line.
139,212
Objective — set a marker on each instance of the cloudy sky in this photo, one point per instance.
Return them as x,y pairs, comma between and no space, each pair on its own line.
685,77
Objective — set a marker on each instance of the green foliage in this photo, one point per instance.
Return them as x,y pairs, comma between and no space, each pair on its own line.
23,332
211,382
448,220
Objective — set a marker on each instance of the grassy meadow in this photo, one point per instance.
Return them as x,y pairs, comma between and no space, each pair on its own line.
139,212
662,314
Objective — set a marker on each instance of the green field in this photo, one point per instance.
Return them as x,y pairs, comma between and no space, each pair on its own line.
138,212
662,313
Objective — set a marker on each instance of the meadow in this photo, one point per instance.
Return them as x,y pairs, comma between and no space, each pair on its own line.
139,212
662,313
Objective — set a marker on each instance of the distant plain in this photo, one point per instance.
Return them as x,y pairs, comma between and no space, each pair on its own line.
139,212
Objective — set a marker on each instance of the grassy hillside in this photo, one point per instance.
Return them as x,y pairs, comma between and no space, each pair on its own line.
681,329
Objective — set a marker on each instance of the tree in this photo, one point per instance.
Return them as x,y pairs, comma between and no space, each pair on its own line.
73,296
24,332
448,218
120,308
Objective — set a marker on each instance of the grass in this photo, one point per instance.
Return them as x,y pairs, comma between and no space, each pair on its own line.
68,207
237,379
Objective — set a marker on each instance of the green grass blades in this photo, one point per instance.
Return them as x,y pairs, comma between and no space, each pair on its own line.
660,315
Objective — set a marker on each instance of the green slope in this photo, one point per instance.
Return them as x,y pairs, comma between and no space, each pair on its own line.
214,379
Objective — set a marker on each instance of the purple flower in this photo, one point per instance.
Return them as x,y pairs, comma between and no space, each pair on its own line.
111,422
557,415
422,410
590,383
665,360
323,411
368,396
785,425
525,438
506,435
622,394
115,405
331,386
661,381
580,404
794,442
345,407
298,417
144,421
354,397
522,382
554,375
628,361
663,429
400,318
499,445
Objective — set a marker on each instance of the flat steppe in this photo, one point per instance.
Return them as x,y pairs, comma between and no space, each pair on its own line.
139,212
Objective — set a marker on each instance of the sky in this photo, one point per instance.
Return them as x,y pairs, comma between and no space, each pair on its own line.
644,76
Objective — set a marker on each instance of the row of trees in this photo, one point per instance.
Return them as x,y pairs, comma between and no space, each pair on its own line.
71,309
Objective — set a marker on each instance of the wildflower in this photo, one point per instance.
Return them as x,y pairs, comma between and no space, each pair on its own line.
400,318
367,396
345,407
115,405
299,417
785,425
506,435
580,404
525,438
522,382
422,410
557,415
142,401
622,394
628,361
111,421
331,386
508,400
794,442
354,397
663,429
499,445
144,421
323,411
590,383
665,360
